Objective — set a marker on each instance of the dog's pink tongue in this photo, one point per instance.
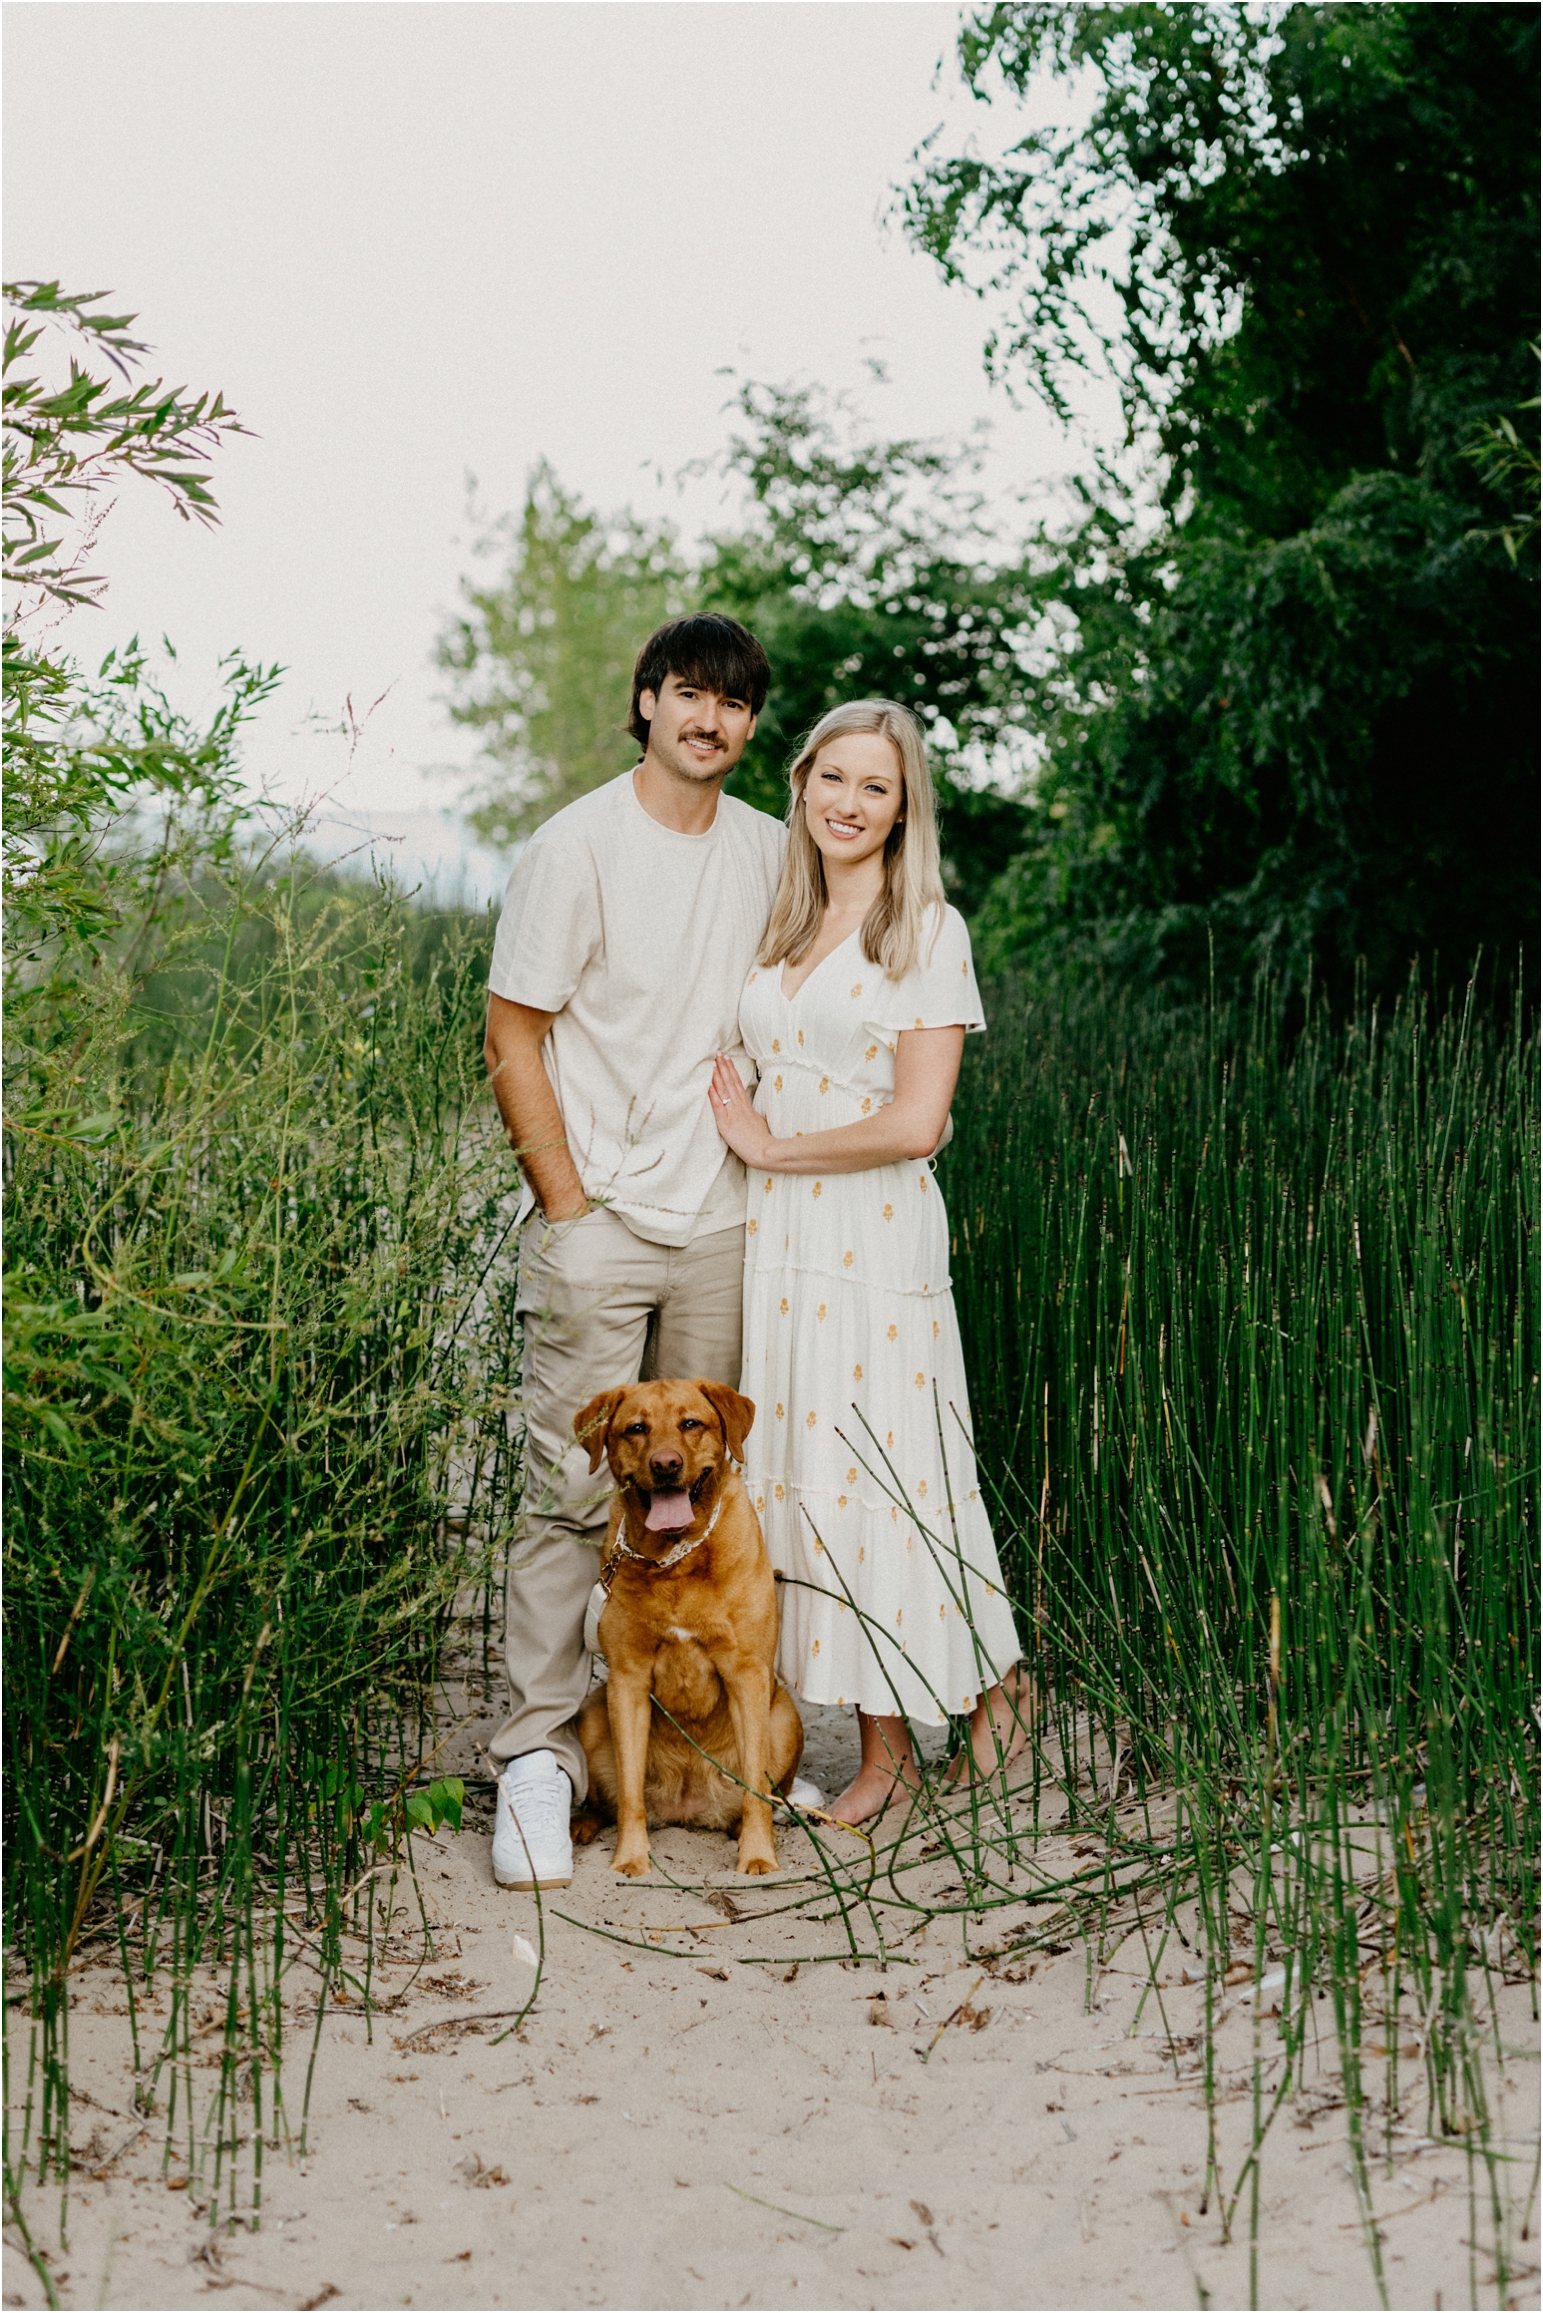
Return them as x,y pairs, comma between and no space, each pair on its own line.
667,1511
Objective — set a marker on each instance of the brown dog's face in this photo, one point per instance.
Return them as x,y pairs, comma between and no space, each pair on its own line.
666,1440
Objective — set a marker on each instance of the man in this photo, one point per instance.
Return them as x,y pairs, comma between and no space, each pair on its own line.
629,924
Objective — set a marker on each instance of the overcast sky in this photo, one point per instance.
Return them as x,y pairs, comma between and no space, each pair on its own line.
415,241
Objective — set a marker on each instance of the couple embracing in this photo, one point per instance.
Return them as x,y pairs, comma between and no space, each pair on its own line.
725,1052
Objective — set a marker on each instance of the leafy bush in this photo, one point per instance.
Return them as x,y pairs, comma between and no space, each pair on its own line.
258,1309
259,1336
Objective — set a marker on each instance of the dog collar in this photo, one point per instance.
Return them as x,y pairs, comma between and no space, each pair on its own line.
681,1551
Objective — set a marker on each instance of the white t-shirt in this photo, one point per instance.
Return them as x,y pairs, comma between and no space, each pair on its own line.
640,940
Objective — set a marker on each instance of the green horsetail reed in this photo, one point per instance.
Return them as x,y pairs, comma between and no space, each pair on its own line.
1247,1296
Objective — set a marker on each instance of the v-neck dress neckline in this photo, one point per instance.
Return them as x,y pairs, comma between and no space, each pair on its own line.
814,972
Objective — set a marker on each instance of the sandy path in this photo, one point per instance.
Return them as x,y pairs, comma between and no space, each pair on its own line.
653,2105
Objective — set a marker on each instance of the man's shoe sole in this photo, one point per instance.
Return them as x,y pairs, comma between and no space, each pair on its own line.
528,1886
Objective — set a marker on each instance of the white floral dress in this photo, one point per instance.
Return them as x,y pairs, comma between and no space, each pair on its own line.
860,1462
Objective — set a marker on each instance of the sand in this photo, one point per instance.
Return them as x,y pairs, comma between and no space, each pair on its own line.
693,2131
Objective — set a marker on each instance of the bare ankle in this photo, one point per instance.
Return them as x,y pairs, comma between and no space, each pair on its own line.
872,1788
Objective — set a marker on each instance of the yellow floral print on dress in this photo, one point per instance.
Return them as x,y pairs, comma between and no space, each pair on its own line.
814,1192
857,991
889,1212
750,1228
856,1059
784,1305
820,1313
810,1419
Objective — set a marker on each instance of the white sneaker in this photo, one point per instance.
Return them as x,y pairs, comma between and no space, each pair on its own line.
531,1842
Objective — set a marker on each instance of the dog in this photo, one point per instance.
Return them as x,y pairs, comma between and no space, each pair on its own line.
690,1623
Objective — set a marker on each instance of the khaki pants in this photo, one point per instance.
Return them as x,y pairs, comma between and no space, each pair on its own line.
599,1308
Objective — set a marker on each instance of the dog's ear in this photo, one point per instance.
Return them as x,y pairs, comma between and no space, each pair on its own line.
592,1423
735,1412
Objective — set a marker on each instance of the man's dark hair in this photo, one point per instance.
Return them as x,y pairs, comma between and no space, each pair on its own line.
716,652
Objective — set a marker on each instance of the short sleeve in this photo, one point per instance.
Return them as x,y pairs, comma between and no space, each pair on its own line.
940,989
550,926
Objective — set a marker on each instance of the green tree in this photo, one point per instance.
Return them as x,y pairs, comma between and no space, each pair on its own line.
867,570
863,566
541,661
1298,720
83,757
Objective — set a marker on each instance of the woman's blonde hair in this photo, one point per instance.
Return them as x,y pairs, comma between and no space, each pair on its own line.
913,881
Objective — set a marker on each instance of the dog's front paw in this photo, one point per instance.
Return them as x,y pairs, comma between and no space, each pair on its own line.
757,1866
633,1863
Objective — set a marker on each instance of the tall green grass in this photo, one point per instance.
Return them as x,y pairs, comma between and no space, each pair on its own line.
259,1331
1251,1311
1248,1299
1254,1336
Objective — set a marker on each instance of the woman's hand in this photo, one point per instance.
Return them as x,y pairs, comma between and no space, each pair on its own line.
736,1119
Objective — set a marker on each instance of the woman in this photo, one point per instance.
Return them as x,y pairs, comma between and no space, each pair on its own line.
860,1462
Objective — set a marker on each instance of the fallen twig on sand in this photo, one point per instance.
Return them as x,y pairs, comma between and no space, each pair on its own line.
443,2023
796,2214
